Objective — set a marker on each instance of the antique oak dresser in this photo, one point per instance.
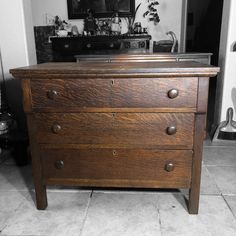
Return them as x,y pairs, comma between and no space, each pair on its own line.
122,124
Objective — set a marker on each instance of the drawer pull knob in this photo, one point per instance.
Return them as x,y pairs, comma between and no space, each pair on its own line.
52,94
171,130
88,45
59,164
173,93
169,167
56,128
66,46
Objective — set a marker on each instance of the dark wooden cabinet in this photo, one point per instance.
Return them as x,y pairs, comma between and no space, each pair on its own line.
120,124
66,48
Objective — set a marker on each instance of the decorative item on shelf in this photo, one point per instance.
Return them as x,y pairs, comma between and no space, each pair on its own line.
152,13
115,25
74,30
104,26
62,33
137,28
144,30
90,25
61,27
130,20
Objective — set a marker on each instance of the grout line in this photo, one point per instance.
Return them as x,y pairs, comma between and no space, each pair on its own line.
8,220
86,213
223,146
159,218
221,165
229,194
213,180
228,206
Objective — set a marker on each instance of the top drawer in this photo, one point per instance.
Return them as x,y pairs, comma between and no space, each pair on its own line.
76,94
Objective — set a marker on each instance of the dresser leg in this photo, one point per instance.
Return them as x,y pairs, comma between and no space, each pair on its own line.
194,192
193,205
41,197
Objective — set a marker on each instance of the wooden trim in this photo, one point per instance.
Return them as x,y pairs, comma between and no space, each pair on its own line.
120,75
115,146
194,192
116,70
116,183
203,89
112,110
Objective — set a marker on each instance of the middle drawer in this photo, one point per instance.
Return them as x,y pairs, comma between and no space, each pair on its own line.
119,129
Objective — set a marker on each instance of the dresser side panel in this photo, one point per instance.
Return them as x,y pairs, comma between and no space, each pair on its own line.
27,95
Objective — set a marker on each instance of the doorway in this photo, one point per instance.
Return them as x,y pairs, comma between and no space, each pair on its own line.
203,35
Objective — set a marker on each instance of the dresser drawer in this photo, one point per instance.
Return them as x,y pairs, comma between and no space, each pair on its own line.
118,167
74,94
115,128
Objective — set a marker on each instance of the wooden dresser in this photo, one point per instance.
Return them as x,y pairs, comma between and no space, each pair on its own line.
121,124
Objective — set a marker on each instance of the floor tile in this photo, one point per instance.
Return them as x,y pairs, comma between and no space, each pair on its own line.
67,189
219,156
122,214
231,201
208,185
9,202
64,216
15,178
219,143
214,218
225,178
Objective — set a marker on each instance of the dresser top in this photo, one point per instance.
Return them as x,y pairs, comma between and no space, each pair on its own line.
116,69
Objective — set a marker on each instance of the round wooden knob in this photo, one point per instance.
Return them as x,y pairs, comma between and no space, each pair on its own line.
56,128
51,94
88,45
59,164
66,46
173,93
169,167
171,130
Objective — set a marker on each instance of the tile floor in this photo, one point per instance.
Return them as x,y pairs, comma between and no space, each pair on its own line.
87,212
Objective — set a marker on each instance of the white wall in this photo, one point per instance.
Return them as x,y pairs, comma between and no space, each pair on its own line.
13,40
17,48
170,12
226,84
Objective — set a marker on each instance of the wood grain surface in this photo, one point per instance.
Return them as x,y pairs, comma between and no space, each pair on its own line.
114,93
119,164
115,128
116,69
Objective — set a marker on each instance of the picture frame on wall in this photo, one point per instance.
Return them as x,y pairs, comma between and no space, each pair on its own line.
77,9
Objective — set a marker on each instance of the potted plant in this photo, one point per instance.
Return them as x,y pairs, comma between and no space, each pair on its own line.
131,19
152,13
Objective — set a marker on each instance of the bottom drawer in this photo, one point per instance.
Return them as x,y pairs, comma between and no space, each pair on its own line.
118,167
